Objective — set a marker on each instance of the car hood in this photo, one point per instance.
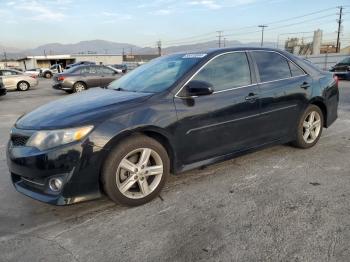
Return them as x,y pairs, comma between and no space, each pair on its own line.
88,107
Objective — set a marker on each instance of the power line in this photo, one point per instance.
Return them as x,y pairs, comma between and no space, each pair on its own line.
194,38
285,20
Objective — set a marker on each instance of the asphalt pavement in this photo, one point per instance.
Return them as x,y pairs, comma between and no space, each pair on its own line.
276,204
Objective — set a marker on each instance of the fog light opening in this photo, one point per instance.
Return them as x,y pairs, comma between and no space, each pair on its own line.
56,184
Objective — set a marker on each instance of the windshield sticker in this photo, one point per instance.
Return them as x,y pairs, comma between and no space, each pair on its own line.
194,55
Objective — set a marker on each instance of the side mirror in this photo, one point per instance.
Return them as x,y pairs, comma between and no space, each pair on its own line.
199,88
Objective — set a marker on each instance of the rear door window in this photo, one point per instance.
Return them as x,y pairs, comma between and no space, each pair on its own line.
272,66
107,71
226,71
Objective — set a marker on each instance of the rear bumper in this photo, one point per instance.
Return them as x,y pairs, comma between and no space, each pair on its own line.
34,82
342,75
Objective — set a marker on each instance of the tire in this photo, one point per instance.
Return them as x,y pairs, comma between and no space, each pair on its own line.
47,75
114,176
23,86
308,133
79,87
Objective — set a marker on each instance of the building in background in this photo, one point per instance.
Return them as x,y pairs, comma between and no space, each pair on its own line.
47,61
298,46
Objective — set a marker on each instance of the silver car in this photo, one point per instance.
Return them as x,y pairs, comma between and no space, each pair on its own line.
13,79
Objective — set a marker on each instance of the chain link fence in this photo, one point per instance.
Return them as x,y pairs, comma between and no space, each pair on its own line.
325,61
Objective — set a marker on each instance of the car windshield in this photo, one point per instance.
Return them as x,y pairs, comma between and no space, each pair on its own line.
157,75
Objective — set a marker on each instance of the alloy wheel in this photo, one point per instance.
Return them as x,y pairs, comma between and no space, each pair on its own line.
23,86
79,87
311,127
139,173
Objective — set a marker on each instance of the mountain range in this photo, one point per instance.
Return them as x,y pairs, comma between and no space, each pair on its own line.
108,47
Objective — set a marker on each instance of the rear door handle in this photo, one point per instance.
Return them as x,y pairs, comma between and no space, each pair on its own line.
251,97
305,85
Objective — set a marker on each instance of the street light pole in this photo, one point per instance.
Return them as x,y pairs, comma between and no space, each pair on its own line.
262,33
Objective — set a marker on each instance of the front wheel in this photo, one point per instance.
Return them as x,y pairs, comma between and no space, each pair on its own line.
135,171
309,128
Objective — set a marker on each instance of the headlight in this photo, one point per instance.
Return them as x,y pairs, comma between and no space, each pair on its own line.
52,138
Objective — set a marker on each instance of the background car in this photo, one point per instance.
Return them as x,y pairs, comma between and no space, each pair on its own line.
13,79
342,69
2,88
49,72
33,72
80,78
79,63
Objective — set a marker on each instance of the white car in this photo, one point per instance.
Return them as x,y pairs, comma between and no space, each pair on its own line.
49,72
33,72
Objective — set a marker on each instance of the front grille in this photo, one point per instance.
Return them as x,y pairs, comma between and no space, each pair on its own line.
19,140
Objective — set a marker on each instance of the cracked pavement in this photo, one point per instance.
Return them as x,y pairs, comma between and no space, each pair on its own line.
276,204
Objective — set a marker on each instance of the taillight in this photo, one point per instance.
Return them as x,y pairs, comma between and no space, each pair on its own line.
60,78
33,76
336,79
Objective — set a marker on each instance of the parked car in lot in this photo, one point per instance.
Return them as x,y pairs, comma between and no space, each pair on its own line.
2,88
34,72
13,79
342,69
49,72
175,113
79,63
80,78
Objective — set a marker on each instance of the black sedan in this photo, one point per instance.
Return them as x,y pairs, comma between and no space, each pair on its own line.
342,69
175,113
2,88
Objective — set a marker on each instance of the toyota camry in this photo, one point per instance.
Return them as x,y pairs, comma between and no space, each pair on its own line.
175,113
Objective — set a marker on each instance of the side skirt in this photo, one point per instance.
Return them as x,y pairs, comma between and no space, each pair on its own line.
228,156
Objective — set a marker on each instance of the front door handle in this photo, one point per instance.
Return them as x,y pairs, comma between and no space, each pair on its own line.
305,85
251,97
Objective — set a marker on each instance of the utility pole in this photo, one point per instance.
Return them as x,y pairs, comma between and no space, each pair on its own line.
5,56
339,27
224,41
219,37
159,46
262,33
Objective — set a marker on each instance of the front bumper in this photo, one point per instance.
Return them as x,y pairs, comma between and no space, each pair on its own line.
77,164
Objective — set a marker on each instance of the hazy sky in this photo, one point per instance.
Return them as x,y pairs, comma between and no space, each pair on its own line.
29,23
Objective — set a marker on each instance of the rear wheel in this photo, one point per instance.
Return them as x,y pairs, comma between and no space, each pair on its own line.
47,75
135,171
79,87
23,86
309,128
